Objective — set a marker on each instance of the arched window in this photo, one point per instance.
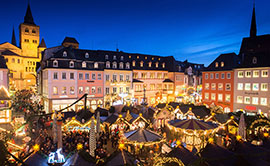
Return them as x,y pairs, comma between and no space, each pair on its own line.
64,54
127,65
254,60
55,63
122,58
106,56
216,64
114,57
156,64
108,64
222,64
163,65
84,64
141,63
114,65
133,63
33,31
150,64
95,65
26,30
121,65
71,64
86,55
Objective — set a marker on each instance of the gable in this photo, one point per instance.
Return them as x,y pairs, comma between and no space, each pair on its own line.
11,47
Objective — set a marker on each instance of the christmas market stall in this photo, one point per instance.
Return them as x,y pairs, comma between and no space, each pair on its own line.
5,112
141,141
121,157
192,132
162,116
139,122
115,122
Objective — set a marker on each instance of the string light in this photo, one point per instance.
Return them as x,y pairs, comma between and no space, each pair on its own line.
79,146
36,147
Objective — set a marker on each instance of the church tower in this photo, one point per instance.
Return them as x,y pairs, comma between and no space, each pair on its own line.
29,36
253,26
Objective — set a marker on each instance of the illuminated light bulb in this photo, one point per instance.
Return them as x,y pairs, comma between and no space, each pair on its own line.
238,137
121,146
79,146
265,134
36,147
211,140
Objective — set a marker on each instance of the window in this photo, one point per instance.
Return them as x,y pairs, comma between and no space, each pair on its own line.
64,54
178,78
55,75
106,56
222,75
83,64
263,101
55,90
163,65
213,96
264,87
206,76
247,86
133,63
114,65
141,63
64,76
264,73
122,58
127,77
18,61
206,86
228,75
121,77
152,86
165,75
206,96
159,75
26,40
255,87
71,76
227,98
127,65
33,31
152,75
71,90
121,65
239,99
86,55
80,76
159,86
34,41
144,75
107,64
87,90
150,64
211,76
55,63
114,57
255,100
248,74
216,64
240,74
64,90
256,73
26,30
114,77
213,86
87,76
220,86
107,90
26,69
114,90
247,100
135,75
156,64
71,64
137,57
220,97
127,89
99,90
228,86
217,75
107,77
120,89
95,65
99,76
240,86
93,76
80,90
222,64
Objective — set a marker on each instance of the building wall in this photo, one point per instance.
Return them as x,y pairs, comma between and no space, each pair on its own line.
257,97
220,95
4,78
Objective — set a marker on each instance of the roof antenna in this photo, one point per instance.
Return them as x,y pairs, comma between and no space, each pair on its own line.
117,50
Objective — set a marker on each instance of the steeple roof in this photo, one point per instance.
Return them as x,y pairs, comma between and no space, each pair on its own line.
253,27
28,18
42,44
13,39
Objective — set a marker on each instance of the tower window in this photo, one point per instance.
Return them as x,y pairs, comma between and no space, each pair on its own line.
33,31
35,41
26,30
26,40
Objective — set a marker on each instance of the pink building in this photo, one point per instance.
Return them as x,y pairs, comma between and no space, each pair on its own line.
3,73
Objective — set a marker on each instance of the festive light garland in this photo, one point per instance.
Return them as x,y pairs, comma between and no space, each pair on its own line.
160,161
259,121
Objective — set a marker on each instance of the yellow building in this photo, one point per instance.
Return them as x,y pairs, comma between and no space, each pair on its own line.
22,60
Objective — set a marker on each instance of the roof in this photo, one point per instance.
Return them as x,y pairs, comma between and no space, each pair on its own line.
138,81
230,60
168,80
9,52
183,154
121,157
84,114
42,44
102,111
36,159
3,64
192,124
70,40
4,94
142,135
28,18
111,119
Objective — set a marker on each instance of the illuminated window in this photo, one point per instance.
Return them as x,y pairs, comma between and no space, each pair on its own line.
64,54
206,96
240,74
141,63
107,64
213,96
83,64
220,97
247,86
239,99
222,64
55,90
150,64
93,91
240,86
64,90
255,87
256,73
95,65
127,77
213,86
127,65
114,66
220,86
255,100
80,90
163,65
264,87
165,75
152,75
137,57
121,65
156,64
264,73
206,86
216,64
135,75
87,90
228,98
72,90
263,101
133,63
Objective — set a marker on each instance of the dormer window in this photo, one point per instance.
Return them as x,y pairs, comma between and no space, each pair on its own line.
163,65
150,64
83,64
114,57
129,57
106,56
254,60
146,57
122,58
108,64
137,57
156,64
114,66
141,63
152,58
222,64
71,64
121,65
133,63
26,30
127,65
179,68
95,65
55,63
216,64
64,54
86,55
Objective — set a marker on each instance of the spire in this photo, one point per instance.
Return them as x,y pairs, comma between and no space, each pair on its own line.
42,44
28,18
253,27
13,39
